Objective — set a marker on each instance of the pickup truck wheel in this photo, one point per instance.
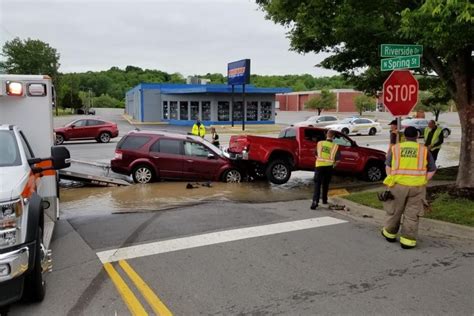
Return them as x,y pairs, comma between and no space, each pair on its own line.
59,139
35,287
372,131
232,176
345,131
374,172
278,171
104,137
142,174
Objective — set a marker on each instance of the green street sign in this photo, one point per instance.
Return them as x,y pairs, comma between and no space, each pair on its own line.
398,50
405,62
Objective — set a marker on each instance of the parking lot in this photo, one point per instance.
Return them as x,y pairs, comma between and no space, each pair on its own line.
238,249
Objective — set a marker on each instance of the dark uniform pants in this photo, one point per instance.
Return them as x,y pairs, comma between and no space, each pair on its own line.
322,177
408,201
434,154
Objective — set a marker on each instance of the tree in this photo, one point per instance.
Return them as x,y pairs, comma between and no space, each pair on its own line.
106,101
71,100
324,101
353,30
429,102
364,103
30,57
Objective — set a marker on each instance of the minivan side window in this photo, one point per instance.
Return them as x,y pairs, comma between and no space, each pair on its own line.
167,146
133,142
195,149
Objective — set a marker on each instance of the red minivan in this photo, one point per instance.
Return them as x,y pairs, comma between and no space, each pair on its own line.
150,155
100,130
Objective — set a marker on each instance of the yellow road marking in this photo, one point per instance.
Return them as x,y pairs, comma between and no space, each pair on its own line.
127,295
338,192
152,299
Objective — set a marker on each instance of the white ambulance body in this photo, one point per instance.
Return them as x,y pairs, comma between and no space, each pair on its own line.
28,185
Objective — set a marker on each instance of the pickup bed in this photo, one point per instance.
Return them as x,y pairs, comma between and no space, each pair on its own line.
294,149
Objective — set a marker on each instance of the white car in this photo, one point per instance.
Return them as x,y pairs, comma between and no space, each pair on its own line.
357,125
318,120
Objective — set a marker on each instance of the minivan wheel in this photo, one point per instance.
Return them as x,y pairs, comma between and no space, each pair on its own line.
59,139
104,137
232,176
142,174
278,171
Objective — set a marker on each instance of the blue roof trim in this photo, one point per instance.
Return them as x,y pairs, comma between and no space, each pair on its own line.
179,88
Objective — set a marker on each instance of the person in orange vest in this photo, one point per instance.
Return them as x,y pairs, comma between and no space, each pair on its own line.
327,155
409,167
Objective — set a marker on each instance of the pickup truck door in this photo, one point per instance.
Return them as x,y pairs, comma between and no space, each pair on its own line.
349,154
307,145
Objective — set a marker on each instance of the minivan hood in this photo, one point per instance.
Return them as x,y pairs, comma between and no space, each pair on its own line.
12,182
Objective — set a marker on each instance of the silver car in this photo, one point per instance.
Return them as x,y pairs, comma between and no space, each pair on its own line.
421,124
318,120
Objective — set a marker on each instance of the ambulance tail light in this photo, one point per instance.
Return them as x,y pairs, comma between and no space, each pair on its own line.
14,88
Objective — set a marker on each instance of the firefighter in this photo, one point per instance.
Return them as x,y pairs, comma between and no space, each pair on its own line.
395,136
409,167
433,138
199,129
327,156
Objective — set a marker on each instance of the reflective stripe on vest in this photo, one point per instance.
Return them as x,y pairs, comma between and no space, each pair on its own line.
435,138
409,162
326,153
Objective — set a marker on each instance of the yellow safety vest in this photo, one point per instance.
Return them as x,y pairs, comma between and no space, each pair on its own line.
199,131
435,138
326,153
409,165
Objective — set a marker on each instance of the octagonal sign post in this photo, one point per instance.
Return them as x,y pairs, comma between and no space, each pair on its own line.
400,92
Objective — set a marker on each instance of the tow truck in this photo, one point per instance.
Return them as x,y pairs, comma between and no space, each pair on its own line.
29,202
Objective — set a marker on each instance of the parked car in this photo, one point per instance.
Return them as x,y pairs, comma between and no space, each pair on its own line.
88,111
276,158
100,130
356,125
421,124
149,155
318,121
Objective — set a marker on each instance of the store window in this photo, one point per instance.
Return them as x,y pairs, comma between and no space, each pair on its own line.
265,111
206,110
183,111
194,110
174,110
252,111
166,113
237,111
223,111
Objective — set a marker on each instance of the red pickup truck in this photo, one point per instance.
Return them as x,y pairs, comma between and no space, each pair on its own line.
294,149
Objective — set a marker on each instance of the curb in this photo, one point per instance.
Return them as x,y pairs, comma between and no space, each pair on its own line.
133,122
426,224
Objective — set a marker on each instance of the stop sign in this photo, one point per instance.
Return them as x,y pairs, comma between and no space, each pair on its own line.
400,92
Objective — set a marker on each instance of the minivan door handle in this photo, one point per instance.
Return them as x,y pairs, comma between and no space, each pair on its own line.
155,157
189,160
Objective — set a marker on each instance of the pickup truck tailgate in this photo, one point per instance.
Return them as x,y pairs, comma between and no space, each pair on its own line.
238,144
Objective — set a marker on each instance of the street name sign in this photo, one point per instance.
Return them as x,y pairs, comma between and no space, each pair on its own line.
405,62
398,50
400,92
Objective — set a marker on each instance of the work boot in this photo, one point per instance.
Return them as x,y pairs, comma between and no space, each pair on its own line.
407,247
388,238
314,205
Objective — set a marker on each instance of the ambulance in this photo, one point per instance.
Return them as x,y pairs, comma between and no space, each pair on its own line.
28,185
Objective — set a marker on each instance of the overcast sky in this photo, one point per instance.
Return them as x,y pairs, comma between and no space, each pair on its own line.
186,36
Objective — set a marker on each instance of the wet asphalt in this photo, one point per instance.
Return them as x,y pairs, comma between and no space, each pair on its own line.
338,269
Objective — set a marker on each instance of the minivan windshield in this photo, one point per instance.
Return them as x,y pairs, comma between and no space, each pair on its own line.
9,152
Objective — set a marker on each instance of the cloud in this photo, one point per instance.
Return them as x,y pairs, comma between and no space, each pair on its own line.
190,37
